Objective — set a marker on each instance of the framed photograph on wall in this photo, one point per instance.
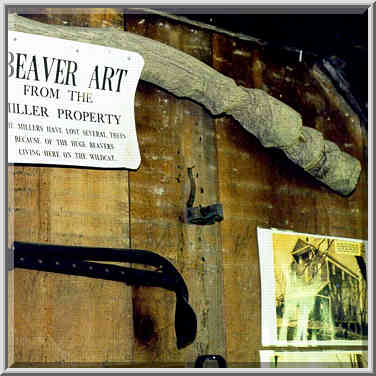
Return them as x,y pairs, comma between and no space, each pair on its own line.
314,359
314,289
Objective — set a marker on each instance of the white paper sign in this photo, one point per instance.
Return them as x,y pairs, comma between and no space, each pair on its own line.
71,103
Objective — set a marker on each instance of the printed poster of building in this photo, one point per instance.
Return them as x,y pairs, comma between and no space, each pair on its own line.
314,289
314,359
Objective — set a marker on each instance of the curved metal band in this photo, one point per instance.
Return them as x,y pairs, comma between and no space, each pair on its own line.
74,260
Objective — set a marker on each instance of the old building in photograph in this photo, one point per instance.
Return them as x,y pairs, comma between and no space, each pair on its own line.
324,299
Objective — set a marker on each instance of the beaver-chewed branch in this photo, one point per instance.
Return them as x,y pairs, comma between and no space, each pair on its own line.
274,123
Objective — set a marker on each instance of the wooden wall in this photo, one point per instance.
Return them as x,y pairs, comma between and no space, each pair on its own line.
77,321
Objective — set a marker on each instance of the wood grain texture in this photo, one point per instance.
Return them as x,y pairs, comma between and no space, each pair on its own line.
261,189
10,297
61,319
112,325
174,135
244,188
92,17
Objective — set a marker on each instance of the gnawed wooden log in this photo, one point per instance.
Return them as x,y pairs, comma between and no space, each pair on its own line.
274,123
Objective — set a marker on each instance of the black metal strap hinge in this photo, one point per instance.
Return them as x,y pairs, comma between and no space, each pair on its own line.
199,215
83,261
217,359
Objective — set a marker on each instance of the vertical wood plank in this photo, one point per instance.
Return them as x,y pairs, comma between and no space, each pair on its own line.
68,320
244,191
10,277
174,135
341,125
263,188
93,17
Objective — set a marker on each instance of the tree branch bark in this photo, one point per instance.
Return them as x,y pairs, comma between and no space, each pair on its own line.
274,123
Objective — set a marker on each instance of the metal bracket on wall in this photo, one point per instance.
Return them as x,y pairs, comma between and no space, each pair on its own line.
74,260
201,215
202,359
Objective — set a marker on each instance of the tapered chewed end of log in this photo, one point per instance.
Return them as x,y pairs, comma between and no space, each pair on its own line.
276,124
325,161
338,170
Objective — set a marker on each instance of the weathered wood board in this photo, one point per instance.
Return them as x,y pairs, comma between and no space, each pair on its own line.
65,320
59,319
175,135
261,188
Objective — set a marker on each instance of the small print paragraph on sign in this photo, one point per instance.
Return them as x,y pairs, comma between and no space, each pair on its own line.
71,103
